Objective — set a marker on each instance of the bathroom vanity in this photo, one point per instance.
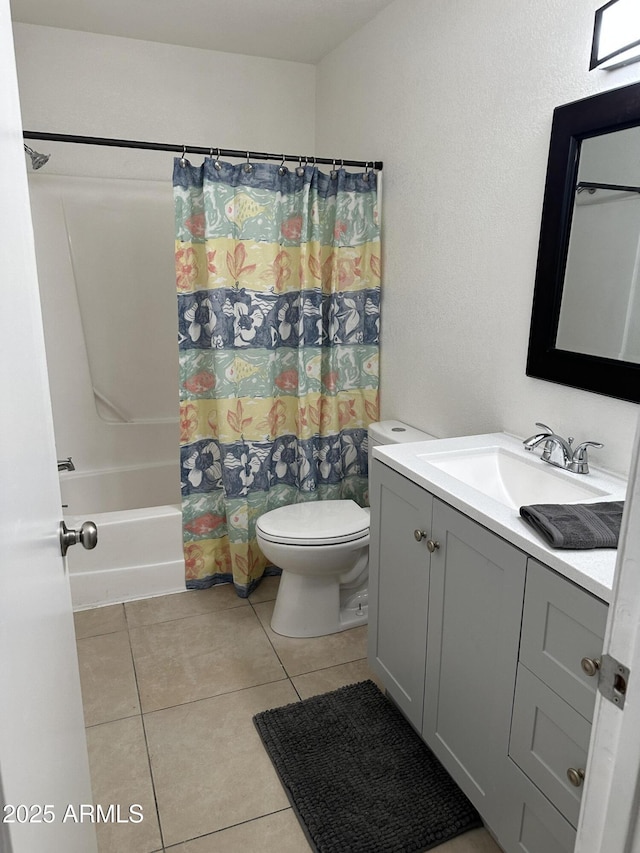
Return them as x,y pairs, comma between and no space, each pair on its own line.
479,631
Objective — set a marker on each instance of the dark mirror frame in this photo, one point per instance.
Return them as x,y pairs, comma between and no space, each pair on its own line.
616,109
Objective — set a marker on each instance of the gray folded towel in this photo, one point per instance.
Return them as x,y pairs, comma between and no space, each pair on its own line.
576,525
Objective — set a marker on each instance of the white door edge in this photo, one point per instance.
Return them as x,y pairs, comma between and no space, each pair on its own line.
609,815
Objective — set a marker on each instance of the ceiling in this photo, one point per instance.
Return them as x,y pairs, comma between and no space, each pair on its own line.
298,30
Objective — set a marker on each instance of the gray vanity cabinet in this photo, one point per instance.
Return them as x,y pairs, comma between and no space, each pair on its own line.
444,629
399,588
482,648
475,607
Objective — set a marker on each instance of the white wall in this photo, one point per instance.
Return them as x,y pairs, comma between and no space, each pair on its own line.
457,97
94,85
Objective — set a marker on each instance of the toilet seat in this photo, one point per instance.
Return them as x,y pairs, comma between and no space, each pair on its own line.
315,523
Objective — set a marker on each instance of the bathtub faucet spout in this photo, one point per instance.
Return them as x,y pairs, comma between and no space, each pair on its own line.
66,464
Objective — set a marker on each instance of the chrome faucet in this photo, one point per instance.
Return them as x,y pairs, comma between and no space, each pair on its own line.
66,464
559,451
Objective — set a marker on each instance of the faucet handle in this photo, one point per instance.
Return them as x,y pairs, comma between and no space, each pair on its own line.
582,448
544,427
580,460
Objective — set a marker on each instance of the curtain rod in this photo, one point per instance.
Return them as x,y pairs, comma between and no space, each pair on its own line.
194,149
590,185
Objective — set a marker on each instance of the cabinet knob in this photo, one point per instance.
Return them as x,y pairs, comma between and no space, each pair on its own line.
419,535
590,666
432,545
576,777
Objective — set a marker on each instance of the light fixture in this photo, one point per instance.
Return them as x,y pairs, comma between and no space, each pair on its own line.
616,34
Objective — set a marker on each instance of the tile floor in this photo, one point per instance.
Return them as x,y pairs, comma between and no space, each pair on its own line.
170,686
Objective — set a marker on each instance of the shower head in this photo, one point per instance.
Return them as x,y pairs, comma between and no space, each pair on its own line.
37,160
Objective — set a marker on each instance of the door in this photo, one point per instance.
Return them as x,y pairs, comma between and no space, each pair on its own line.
475,608
399,587
609,819
43,753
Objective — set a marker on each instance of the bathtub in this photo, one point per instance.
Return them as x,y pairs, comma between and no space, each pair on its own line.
139,551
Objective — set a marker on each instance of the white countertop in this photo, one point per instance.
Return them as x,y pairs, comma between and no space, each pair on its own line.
591,569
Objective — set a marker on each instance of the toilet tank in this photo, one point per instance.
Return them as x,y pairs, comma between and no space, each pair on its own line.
394,432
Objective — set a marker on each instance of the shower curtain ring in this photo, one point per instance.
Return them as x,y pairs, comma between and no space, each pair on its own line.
183,161
333,173
300,167
247,166
282,169
217,165
365,177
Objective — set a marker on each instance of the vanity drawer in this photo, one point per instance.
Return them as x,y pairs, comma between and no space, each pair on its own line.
530,823
562,624
548,737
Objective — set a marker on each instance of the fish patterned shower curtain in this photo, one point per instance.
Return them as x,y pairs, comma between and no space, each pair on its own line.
278,279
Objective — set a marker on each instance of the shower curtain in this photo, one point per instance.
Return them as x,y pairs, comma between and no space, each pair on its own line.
278,279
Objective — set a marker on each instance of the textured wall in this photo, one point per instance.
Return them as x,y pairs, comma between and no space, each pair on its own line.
457,97
95,85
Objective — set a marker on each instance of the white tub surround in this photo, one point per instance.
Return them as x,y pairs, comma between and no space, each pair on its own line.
593,569
119,425
138,555
139,550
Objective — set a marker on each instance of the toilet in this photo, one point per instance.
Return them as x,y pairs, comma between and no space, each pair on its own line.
322,548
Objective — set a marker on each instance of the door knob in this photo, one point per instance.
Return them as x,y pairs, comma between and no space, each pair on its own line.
432,545
87,536
419,535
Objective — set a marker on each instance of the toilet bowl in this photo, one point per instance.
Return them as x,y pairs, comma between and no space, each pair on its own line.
322,548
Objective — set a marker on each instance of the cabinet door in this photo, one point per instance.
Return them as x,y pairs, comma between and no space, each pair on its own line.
475,608
548,737
531,824
561,625
398,587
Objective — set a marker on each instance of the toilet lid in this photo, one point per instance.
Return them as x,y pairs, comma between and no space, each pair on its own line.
315,523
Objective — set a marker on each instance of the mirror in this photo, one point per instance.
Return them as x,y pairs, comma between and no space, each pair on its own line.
585,322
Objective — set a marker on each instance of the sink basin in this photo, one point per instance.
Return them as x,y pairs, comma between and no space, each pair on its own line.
512,478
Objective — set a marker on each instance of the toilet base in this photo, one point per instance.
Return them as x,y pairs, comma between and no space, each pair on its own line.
293,617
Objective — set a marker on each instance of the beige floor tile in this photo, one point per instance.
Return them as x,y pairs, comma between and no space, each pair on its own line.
267,590
475,841
209,766
333,677
99,620
107,678
193,602
306,655
120,776
275,833
201,656
278,834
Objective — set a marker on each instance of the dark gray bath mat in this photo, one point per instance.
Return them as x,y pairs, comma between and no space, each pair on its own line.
359,778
